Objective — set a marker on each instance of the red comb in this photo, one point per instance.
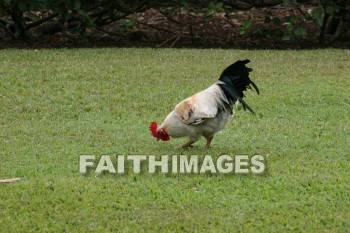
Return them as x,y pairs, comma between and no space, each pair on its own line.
153,128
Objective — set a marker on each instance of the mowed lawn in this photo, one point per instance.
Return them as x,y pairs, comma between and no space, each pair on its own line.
58,104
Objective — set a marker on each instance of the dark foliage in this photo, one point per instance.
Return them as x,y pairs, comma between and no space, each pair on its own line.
18,18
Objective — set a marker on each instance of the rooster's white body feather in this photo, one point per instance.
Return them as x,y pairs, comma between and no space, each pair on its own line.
203,114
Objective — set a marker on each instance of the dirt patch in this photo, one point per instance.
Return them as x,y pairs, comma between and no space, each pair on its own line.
192,30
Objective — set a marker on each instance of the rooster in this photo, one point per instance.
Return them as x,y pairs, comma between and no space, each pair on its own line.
207,112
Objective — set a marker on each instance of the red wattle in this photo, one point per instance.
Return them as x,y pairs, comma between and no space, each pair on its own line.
153,128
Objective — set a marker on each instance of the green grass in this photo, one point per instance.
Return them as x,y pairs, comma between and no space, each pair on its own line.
58,104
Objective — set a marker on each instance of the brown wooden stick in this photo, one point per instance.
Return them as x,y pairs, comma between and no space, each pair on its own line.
11,180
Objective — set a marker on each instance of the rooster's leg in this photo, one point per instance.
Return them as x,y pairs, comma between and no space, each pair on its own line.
208,142
188,144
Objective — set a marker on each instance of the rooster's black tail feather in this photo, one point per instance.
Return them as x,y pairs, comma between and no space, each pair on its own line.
235,80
